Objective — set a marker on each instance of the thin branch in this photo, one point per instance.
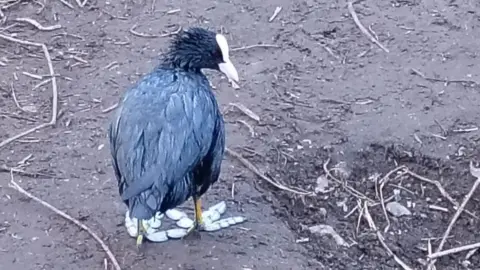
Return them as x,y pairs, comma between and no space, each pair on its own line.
476,173
363,29
53,78
145,35
453,251
38,25
252,167
380,238
111,108
107,250
441,189
344,184
254,46
384,181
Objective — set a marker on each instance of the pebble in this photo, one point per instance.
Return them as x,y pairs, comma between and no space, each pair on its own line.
397,210
323,229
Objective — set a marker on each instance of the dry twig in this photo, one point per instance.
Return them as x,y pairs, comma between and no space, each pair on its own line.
380,237
4,168
53,120
348,188
250,128
107,250
38,25
67,4
111,108
417,72
453,251
145,35
476,173
254,46
14,96
80,4
383,182
362,28
440,188
275,14
246,111
254,169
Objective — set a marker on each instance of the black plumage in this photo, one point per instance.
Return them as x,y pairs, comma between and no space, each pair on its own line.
167,137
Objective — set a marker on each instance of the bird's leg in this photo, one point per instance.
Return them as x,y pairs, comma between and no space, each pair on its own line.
198,212
198,216
141,230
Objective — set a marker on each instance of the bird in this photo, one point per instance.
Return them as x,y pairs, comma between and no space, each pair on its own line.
167,136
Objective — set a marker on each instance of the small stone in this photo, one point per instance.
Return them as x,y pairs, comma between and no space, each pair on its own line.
397,210
30,108
322,184
323,229
341,170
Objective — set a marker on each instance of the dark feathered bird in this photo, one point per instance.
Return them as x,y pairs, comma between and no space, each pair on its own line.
167,137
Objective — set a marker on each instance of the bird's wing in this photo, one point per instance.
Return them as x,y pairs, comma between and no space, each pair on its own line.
159,135
211,163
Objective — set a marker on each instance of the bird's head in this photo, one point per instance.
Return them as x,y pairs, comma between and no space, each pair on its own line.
198,48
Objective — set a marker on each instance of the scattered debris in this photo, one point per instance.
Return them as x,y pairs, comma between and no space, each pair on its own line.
322,184
362,28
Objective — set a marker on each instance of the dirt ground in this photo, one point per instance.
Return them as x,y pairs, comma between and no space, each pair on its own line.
324,92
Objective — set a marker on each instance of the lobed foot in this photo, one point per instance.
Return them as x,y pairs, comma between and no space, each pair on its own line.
211,221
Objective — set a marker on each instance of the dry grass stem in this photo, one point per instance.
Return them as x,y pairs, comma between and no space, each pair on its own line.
53,119
254,169
362,28
67,217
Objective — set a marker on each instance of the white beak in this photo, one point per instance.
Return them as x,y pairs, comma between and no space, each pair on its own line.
229,70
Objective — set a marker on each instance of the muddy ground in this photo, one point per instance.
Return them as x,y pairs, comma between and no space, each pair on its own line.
324,92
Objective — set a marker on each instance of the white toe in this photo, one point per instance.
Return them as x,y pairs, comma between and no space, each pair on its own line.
175,214
211,216
154,222
159,215
157,237
132,230
224,223
238,220
220,207
211,227
185,223
176,233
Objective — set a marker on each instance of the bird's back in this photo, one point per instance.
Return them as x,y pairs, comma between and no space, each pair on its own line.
165,129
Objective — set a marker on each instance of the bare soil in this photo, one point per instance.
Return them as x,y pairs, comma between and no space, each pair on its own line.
324,93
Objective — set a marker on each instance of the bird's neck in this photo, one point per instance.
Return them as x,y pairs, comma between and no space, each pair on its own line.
185,61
